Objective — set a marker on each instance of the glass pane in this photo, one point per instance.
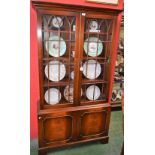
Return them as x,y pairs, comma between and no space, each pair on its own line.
58,35
95,65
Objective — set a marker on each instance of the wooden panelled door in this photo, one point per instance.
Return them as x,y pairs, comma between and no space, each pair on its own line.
56,128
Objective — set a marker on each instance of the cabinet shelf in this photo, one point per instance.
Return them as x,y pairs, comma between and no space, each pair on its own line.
63,58
96,81
98,33
101,101
59,83
94,58
59,31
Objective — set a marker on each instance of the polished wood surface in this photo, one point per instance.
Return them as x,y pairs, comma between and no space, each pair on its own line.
82,120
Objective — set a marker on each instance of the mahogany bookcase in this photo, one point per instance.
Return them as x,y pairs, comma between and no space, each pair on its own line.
79,110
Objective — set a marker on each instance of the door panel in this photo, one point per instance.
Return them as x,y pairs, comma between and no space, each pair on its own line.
94,123
57,56
56,128
95,57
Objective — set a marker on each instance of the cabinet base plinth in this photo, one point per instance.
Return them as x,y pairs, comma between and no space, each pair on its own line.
104,141
44,150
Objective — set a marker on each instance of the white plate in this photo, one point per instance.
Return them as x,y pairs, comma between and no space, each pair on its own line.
93,25
56,46
93,46
57,22
93,90
68,93
89,69
52,96
72,75
56,73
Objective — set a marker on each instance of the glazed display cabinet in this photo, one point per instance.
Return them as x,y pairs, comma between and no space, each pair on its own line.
77,52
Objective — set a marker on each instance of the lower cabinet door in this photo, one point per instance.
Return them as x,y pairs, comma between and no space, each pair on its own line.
55,128
94,123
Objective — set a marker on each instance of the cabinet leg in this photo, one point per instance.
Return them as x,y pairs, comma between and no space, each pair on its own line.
42,152
104,141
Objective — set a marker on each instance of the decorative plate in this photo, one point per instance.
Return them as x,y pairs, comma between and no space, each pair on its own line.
89,68
93,92
56,73
93,46
68,93
72,75
52,96
56,46
93,25
57,22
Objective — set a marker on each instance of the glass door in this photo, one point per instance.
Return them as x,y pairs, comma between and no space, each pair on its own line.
58,52
95,58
